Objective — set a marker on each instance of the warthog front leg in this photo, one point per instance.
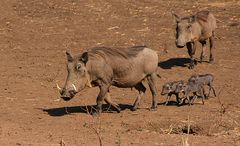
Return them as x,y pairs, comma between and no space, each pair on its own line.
189,101
191,51
168,98
140,87
186,96
194,97
201,92
109,101
183,100
103,91
177,98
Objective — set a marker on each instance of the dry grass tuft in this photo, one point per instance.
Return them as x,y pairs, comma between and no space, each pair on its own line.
185,139
95,125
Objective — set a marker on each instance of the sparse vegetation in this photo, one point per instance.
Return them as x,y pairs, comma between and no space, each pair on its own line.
35,34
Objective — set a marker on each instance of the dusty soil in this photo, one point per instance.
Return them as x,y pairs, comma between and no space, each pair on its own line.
34,35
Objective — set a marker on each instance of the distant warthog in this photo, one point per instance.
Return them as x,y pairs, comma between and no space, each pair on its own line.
103,67
199,27
170,89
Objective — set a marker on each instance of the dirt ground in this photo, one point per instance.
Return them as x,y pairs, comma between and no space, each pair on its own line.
34,35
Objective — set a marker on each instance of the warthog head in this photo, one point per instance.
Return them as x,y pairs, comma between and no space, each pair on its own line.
181,87
167,88
77,77
193,79
183,30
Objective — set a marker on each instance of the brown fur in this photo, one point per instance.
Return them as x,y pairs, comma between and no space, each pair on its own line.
120,67
117,52
202,16
199,27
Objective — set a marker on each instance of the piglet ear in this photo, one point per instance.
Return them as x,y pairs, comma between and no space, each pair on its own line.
84,57
69,56
177,18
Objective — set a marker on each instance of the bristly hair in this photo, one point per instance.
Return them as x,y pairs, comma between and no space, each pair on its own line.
126,53
202,15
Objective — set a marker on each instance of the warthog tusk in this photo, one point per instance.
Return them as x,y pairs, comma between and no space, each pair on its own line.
74,87
89,84
59,88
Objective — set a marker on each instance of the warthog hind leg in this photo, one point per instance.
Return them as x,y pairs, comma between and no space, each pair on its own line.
203,51
211,59
141,89
152,85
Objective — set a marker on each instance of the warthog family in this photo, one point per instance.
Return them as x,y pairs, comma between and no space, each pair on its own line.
106,67
129,67
199,27
194,86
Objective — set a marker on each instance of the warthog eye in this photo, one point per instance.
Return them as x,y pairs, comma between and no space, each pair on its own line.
189,27
78,67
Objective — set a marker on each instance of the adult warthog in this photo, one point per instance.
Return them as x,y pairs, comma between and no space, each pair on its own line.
120,67
199,27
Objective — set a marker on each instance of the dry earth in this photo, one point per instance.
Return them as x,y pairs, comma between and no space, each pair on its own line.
34,36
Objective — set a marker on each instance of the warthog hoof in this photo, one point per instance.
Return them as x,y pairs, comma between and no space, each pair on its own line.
195,62
118,109
134,108
153,108
181,102
191,66
211,61
205,96
201,58
95,113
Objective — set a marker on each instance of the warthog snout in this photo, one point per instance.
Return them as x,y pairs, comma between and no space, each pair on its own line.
66,95
179,44
66,98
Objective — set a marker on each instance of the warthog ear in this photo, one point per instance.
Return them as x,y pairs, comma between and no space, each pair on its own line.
69,56
84,57
177,18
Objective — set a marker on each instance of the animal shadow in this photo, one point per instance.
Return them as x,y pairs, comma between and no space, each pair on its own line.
170,103
173,62
89,109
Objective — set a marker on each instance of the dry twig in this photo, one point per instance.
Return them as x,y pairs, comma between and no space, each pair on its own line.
62,143
96,130
223,109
